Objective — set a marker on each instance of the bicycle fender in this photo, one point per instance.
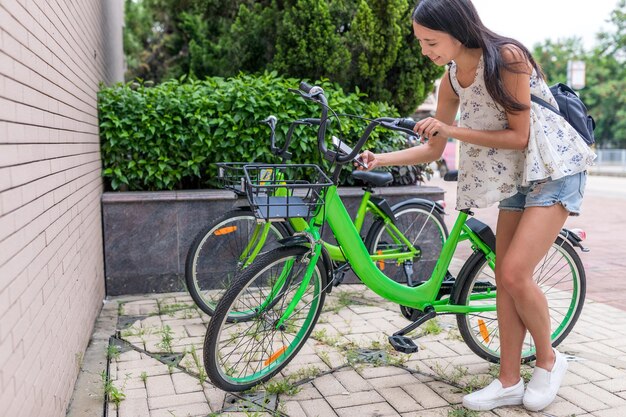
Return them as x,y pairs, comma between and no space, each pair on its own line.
469,264
573,239
438,207
384,206
328,264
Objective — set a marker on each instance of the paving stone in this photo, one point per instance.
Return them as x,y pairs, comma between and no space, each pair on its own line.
317,408
582,400
168,401
368,410
307,392
160,385
133,383
328,385
293,409
133,407
601,395
293,369
133,364
355,398
352,381
399,399
448,392
440,349
131,355
517,411
613,412
585,369
435,412
562,408
192,410
215,397
184,383
136,393
425,395
613,385
381,371
572,379
609,370
393,381
333,356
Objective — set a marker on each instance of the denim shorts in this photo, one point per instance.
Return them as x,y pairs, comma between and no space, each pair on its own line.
567,191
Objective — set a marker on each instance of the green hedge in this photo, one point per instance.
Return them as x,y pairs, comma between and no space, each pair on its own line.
169,136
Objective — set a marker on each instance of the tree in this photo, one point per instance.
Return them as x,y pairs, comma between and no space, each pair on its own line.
605,75
307,44
366,46
553,57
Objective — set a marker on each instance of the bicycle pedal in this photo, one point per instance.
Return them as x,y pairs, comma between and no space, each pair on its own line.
403,344
338,278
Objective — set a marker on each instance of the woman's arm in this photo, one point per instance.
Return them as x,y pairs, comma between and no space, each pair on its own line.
447,106
515,136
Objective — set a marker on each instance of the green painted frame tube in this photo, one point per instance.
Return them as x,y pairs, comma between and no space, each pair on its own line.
361,261
258,246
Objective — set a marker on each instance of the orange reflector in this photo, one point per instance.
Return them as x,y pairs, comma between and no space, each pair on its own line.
381,263
483,330
275,355
225,230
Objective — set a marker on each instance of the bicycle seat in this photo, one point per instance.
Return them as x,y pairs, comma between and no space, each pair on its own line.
373,178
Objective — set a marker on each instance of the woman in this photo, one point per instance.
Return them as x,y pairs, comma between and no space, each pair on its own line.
513,152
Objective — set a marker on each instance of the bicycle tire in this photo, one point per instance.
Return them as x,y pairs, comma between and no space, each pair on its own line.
560,266
423,226
213,259
229,375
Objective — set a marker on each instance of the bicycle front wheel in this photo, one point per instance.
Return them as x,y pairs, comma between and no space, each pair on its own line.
220,251
561,277
246,351
426,231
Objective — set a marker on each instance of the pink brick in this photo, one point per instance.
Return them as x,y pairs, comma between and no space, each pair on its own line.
50,235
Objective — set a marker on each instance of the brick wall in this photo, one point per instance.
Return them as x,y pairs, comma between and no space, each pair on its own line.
53,55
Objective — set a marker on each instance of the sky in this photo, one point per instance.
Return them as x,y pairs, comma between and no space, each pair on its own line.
533,21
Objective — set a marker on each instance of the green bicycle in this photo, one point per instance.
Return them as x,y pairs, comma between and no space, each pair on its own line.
414,228
283,291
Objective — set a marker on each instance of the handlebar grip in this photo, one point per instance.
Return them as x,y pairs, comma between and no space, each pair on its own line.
305,87
406,124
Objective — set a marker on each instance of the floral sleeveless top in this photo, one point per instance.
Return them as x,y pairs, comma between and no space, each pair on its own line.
489,175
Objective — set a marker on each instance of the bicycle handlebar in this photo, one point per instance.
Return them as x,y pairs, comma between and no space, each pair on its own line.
283,152
316,94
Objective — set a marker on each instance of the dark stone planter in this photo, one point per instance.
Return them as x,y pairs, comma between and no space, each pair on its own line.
147,234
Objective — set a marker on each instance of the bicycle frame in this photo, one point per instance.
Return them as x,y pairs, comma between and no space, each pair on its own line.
420,297
261,231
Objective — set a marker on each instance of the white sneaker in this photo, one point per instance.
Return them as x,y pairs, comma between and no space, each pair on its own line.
494,395
544,385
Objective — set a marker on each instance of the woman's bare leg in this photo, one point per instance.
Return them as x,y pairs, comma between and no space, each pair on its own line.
533,236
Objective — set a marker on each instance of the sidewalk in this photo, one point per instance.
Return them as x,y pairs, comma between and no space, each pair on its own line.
321,382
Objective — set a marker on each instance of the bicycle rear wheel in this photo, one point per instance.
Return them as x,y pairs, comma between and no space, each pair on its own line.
424,228
560,275
219,252
244,352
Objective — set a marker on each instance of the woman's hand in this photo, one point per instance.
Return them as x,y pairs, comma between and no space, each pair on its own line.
431,127
369,159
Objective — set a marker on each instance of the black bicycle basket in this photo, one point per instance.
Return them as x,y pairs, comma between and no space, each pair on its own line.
231,176
273,195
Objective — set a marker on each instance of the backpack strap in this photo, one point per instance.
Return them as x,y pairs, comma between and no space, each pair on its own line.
450,80
545,104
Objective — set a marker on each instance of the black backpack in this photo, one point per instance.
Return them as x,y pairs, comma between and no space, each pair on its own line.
571,109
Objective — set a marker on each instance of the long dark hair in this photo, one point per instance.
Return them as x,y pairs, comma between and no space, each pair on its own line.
459,19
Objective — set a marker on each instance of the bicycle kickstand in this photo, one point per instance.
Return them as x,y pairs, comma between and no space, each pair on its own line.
405,344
